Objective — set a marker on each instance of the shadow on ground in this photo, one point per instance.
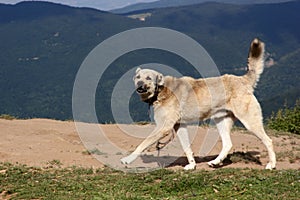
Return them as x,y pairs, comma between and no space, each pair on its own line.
236,157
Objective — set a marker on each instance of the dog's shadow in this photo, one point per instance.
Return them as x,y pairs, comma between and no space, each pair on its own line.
236,157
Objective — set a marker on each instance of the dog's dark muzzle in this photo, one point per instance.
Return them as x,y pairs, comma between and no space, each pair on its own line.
141,90
141,87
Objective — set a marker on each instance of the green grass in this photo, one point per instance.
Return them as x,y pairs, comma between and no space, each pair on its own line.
22,182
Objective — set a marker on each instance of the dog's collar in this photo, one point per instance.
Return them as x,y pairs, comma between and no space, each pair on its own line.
151,100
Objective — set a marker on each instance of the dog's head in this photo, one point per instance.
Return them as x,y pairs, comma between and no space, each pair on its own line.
147,82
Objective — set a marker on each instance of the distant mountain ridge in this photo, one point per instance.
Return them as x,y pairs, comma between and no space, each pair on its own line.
42,46
178,3
27,10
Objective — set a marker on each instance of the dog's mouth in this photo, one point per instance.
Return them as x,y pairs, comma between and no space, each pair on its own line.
141,90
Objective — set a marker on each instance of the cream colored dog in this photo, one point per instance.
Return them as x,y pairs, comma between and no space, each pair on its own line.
177,101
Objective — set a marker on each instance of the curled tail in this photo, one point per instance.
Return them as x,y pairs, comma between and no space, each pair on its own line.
255,61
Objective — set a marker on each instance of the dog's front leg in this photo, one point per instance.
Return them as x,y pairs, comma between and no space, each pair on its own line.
155,136
183,136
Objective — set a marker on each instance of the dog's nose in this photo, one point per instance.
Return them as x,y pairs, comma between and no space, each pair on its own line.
140,84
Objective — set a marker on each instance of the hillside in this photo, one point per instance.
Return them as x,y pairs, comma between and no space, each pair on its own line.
42,46
177,3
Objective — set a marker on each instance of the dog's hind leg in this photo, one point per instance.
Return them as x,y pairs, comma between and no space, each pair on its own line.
183,136
224,126
252,120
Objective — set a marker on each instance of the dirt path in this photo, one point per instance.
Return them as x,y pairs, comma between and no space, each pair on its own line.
43,142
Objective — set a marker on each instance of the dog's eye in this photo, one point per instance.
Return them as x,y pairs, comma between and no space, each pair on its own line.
138,77
148,78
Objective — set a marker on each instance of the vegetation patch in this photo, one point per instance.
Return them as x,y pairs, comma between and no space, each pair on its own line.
23,182
286,119
7,117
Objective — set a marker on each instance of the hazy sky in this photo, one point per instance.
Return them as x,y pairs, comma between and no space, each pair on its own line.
99,4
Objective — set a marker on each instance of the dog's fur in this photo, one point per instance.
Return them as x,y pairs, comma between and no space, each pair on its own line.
177,101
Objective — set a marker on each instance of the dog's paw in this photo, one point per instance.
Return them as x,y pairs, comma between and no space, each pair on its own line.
270,166
191,166
213,163
128,159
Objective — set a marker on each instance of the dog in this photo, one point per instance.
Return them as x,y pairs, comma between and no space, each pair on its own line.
178,101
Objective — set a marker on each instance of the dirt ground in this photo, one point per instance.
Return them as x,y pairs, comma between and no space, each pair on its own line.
46,143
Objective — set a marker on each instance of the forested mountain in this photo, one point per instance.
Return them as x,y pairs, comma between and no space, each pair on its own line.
42,46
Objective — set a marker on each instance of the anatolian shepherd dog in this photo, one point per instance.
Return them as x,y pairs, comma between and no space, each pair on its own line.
177,101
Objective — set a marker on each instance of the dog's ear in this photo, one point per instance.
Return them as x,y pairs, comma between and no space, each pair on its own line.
137,70
160,80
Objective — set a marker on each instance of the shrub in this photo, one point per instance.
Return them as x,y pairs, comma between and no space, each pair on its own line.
286,119
7,117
